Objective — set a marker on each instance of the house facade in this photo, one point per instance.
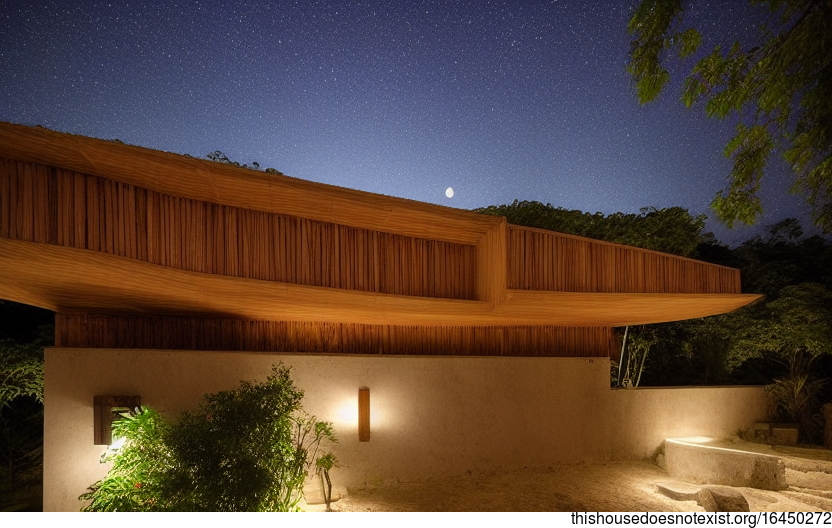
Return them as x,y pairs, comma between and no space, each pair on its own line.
485,345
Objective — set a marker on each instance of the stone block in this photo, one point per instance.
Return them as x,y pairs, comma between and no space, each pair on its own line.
784,434
728,499
758,432
710,498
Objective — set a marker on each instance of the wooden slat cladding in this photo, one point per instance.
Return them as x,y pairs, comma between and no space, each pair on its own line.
543,260
184,333
49,205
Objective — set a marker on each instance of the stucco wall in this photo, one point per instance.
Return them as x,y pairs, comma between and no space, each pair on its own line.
430,416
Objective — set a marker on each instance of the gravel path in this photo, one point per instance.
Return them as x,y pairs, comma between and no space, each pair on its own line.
614,486
624,486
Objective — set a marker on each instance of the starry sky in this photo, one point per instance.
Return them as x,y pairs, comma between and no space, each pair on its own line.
500,100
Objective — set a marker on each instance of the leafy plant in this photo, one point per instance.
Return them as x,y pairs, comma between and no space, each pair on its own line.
323,466
21,369
140,466
249,449
797,396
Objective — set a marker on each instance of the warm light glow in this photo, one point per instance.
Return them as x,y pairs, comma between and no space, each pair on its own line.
343,412
702,441
694,439
111,450
107,409
346,415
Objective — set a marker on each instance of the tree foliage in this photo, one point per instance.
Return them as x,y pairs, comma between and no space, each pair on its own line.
672,230
798,322
21,370
782,257
778,89
637,346
249,449
21,409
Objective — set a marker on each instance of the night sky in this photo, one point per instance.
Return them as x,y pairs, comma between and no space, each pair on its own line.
509,100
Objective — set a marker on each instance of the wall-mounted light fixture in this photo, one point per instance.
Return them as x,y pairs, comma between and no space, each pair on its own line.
364,414
107,410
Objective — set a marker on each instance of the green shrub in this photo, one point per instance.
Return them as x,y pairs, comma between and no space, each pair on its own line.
249,449
140,466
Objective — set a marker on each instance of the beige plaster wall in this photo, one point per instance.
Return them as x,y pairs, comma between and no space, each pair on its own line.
430,416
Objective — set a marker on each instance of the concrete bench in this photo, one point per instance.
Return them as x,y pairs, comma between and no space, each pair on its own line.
694,460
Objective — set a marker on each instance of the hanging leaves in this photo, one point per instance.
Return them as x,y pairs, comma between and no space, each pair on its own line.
778,88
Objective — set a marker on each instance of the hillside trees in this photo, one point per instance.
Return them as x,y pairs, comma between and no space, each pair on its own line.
672,230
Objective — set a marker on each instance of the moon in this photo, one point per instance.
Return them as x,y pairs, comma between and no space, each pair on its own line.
449,192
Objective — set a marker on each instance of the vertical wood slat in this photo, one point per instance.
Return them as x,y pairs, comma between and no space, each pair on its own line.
66,231
26,204
551,261
79,211
192,333
52,205
130,222
106,218
40,190
140,206
7,168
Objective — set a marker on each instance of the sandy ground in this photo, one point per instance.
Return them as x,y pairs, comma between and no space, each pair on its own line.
618,486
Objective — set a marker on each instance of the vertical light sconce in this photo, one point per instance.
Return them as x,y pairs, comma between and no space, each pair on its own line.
107,410
364,414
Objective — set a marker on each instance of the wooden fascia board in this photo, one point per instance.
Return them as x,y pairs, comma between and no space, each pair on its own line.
69,280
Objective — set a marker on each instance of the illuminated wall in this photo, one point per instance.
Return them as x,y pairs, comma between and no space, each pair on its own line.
430,416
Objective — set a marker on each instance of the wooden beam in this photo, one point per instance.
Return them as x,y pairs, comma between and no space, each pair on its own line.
491,265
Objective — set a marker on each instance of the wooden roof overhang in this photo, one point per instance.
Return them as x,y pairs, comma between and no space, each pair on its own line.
71,280
41,270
